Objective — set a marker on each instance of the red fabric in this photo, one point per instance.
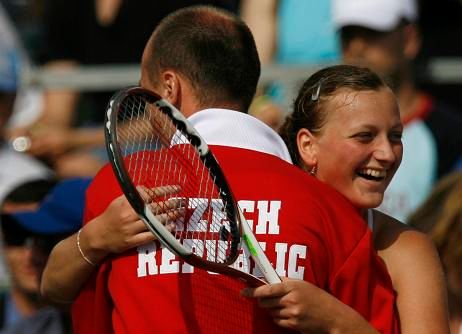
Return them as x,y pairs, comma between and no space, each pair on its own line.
322,234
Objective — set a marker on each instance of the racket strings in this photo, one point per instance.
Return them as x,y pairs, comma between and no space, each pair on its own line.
211,215
157,154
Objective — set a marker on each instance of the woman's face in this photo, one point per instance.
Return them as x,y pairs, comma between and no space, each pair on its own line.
359,148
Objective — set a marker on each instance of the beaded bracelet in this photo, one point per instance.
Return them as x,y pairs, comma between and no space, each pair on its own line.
81,252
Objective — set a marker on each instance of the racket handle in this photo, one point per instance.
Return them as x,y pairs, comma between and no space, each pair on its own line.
257,253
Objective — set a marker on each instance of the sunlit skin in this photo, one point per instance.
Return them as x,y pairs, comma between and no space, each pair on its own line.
361,135
145,82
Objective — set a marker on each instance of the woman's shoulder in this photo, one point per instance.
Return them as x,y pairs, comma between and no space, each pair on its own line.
416,273
401,246
387,230
390,233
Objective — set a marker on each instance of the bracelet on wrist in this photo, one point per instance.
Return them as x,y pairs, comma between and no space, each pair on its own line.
81,251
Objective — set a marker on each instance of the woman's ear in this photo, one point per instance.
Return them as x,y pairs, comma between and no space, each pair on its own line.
307,148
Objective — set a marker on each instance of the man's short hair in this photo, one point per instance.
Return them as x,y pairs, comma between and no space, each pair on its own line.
213,49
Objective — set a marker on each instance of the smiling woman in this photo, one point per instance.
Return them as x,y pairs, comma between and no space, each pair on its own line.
346,126
346,131
357,142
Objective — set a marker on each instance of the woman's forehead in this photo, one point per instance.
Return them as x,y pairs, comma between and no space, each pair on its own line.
350,101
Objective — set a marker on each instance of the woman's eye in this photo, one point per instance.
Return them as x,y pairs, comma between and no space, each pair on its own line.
396,136
364,135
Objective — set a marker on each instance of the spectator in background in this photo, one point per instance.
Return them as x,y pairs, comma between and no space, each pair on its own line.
28,101
15,167
383,35
284,35
30,230
288,32
22,298
441,217
21,198
88,32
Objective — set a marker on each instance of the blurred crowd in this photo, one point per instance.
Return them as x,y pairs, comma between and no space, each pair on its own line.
52,140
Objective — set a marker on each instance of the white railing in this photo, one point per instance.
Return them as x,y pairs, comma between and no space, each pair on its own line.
113,77
94,78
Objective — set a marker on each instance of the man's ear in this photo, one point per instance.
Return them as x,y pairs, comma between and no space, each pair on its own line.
307,148
412,41
170,87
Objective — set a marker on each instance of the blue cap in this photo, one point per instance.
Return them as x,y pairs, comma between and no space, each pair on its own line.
60,212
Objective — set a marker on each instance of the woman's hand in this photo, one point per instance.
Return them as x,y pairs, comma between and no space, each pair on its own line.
302,306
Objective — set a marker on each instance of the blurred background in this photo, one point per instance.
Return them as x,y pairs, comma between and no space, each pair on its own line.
60,61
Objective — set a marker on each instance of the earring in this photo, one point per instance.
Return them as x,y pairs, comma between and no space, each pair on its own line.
314,170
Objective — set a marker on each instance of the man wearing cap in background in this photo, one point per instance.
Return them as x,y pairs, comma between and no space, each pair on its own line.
383,35
29,236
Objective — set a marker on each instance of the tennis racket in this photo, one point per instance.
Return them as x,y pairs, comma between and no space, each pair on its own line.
152,146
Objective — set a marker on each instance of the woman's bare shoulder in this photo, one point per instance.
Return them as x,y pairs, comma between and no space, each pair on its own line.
401,246
387,230
390,233
417,275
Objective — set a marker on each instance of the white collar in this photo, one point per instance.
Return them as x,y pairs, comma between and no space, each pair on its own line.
226,127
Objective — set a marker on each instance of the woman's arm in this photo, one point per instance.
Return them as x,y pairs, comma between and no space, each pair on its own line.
417,275
117,229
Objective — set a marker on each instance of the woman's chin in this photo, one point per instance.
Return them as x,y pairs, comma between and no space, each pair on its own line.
370,202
